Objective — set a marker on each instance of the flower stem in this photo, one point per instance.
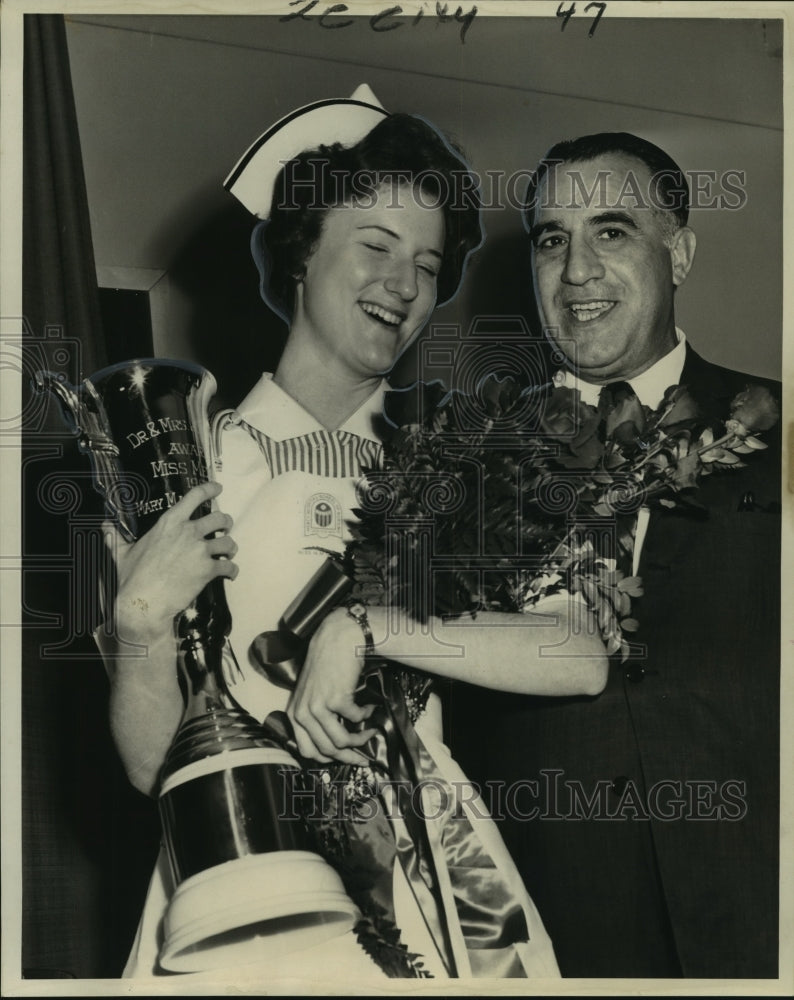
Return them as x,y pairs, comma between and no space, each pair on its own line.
716,444
649,454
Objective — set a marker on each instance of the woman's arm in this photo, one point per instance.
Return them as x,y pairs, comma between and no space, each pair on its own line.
558,652
157,578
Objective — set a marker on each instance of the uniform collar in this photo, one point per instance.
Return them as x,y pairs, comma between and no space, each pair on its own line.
649,386
274,412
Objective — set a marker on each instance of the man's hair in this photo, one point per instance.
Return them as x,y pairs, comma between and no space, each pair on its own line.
400,149
671,197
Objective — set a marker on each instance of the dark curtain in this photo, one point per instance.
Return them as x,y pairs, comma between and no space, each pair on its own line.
88,839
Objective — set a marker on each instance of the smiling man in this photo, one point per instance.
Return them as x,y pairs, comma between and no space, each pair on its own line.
650,838
606,265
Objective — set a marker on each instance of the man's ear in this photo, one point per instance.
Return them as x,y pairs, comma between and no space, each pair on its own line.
682,253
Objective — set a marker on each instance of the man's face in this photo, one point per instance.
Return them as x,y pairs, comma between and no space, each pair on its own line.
604,274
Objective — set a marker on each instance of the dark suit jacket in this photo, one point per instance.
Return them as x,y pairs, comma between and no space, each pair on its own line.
675,872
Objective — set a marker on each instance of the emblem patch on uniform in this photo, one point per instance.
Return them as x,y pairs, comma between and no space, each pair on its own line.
323,515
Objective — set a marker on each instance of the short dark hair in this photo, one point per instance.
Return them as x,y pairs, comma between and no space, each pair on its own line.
671,182
401,148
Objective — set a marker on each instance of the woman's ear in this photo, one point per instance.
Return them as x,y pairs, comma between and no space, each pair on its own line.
682,253
297,297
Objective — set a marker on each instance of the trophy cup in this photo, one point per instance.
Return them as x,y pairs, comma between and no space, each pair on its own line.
248,884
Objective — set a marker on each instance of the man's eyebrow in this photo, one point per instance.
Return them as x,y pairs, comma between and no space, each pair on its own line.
396,236
541,227
600,219
622,217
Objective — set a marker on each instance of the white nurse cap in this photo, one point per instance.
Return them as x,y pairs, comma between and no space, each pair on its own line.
322,123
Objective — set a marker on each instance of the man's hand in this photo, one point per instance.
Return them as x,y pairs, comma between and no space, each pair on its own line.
324,697
159,575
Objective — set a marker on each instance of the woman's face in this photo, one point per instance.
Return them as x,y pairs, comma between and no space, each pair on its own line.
370,282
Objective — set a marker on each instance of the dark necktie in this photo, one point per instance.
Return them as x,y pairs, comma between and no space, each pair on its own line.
617,401
613,394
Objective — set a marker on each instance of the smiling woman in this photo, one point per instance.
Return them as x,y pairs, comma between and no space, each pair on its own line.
399,215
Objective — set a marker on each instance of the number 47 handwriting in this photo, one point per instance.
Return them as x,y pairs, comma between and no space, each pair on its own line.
570,11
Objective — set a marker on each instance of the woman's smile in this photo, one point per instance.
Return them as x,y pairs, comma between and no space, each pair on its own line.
385,316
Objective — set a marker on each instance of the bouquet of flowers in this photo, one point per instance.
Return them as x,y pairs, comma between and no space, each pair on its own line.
533,492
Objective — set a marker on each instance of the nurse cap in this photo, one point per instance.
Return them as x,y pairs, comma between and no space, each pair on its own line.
346,121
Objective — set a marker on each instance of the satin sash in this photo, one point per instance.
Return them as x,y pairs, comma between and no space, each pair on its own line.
472,913
478,917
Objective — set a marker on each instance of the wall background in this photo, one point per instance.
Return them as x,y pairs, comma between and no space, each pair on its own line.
167,104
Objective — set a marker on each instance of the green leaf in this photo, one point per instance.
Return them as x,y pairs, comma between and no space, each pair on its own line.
631,585
706,437
590,592
685,474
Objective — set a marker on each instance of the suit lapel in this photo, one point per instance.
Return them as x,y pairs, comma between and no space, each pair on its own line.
710,389
707,384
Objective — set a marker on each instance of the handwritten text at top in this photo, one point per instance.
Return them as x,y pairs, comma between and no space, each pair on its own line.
567,14
389,19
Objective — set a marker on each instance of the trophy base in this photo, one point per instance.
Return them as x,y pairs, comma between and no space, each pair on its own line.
254,908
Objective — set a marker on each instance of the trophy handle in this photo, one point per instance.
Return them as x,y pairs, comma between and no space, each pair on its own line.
82,406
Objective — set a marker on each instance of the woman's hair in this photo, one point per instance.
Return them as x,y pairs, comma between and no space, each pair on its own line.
400,149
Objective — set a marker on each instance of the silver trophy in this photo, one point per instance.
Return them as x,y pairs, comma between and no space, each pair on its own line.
248,883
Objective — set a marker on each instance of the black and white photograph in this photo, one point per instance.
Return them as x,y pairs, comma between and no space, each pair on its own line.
396,495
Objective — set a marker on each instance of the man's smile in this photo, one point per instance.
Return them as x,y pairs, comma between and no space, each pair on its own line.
586,312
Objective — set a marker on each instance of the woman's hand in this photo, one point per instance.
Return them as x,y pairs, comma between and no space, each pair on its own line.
159,575
324,696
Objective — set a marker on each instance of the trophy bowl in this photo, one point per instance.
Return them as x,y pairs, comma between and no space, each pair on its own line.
247,882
